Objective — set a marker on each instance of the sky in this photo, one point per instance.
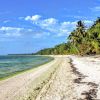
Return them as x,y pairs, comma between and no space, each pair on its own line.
27,26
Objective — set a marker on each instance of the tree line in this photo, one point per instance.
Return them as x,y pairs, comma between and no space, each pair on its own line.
81,41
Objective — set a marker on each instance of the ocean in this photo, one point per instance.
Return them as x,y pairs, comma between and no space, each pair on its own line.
13,64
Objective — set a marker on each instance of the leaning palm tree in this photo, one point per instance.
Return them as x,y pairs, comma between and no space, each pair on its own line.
76,37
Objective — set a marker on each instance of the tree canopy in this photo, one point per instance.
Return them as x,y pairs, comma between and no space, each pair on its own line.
81,41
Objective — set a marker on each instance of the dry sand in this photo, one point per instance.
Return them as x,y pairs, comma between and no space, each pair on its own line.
60,86
87,83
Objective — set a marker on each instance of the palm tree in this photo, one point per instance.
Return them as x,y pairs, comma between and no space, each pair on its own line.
76,37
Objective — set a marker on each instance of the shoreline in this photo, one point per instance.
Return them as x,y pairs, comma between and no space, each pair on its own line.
23,71
23,81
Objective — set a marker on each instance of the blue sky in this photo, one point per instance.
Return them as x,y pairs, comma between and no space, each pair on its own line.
27,26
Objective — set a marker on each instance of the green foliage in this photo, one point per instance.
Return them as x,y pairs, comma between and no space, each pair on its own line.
86,41
80,41
58,49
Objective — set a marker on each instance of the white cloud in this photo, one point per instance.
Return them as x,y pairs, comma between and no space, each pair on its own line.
48,22
41,34
33,18
53,26
6,21
13,34
76,16
88,22
10,31
44,28
95,9
68,24
58,29
10,28
66,28
28,18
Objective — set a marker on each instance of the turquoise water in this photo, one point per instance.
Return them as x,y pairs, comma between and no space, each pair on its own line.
12,64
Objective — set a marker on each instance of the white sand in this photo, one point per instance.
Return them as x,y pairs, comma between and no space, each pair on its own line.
89,67
60,86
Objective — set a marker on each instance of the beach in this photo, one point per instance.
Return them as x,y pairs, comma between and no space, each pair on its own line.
67,77
19,86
